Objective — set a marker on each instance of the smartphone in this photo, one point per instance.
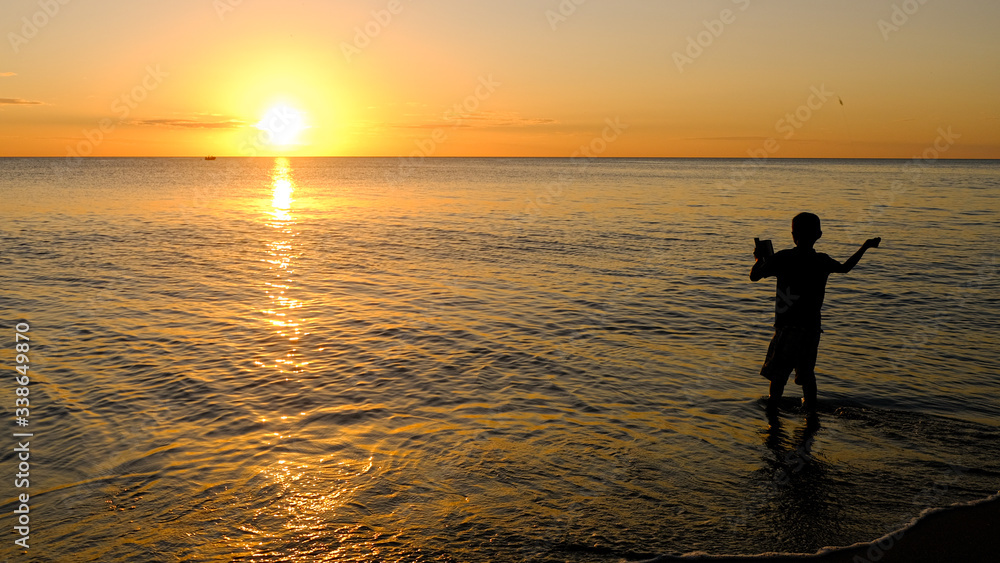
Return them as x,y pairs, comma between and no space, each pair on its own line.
764,247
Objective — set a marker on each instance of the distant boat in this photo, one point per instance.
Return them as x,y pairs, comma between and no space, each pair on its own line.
209,158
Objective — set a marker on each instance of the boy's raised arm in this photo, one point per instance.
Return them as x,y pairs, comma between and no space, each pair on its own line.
853,260
757,271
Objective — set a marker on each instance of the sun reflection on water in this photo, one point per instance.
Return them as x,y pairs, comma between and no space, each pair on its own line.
282,196
319,494
281,281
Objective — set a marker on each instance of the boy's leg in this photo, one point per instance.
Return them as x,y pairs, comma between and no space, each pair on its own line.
809,393
776,368
774,392
805,371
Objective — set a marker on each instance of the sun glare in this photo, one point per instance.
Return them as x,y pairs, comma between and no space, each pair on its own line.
282,188
283,125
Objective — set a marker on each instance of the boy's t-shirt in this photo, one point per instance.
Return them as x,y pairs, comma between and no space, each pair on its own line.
801,287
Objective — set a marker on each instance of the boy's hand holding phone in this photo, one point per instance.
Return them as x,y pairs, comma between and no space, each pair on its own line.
763,249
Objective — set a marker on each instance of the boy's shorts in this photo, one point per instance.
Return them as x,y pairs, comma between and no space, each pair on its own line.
791,348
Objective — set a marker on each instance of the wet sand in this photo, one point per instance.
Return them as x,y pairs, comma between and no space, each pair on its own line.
967,533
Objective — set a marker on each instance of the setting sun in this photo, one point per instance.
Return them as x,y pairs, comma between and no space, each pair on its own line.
282,126
690,79
391,280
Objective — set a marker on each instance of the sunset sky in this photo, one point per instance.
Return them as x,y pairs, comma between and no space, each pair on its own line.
719,78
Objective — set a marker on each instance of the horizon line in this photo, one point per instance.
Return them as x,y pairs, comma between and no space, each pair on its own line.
202,156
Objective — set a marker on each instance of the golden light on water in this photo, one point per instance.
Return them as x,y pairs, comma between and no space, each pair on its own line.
280,282
282,194
311,488
282,189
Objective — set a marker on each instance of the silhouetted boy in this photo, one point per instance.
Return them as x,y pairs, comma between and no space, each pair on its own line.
802,273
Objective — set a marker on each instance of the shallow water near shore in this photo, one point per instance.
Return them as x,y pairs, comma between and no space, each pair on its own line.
487,359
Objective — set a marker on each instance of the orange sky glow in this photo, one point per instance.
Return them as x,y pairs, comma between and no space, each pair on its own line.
719,78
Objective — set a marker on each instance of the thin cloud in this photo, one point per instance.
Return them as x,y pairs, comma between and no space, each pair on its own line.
482,120
6,74
19,102
726,138
505,119
779,139
191,123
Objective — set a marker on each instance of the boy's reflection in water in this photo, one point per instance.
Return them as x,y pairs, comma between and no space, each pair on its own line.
802,511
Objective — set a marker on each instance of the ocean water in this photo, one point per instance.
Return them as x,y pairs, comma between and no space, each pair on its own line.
464,360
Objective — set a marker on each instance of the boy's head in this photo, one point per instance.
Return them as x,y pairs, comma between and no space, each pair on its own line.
805,229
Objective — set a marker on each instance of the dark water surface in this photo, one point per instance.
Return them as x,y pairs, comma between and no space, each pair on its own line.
485,359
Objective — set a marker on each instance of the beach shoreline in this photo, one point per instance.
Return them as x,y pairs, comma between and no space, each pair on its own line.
966,532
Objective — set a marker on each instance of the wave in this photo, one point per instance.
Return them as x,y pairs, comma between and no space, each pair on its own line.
965,532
